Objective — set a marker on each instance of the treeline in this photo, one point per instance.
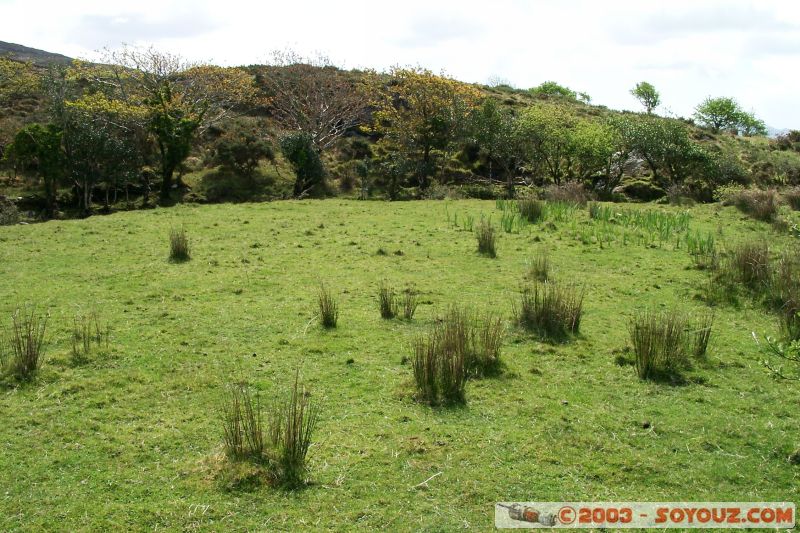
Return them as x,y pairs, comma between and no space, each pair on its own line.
124,129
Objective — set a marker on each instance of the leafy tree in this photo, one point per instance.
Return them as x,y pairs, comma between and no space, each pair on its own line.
665,145
551,88
726,114
544,133
103,140
751,125
38,146
598,153
647,95
422,115
298,149
17,79
493,132
183,99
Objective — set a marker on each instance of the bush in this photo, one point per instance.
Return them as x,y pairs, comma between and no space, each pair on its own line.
571,192
486,239
761,205
531,209
410,303
460,346
299,150
292,425
486,344
22,348
539,267
439,364
283,447
792,197
9,214
86,333
387,301
242,423
241,152
554,311
328,308
749,263
179,251
659,343
784,293
700,334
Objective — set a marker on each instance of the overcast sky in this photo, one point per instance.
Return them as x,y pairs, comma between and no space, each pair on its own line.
749,50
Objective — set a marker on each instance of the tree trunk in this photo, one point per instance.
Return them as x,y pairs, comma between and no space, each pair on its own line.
166,181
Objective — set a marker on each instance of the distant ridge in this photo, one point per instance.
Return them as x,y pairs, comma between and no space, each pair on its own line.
25,53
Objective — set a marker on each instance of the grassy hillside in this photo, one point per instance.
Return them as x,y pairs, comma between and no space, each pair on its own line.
132,439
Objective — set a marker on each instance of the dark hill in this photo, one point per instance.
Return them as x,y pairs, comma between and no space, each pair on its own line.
25,53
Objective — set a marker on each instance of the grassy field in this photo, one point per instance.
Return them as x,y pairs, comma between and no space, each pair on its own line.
131,439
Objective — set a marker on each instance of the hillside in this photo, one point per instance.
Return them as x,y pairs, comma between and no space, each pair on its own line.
368,160
19,52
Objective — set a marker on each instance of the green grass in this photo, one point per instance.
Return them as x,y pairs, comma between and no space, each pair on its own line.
131,438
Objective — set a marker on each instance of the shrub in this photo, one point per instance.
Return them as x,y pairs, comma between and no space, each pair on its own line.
439,364
784,293
298,149
23,348
570,192
598,211
410,303
792,197
242,423
486,239
292,425
539,267
387,301
700,334
703,250
179,251
761,205
9,214
328,308
554,311
86,333
531,209
241,151
486,344
659,343
749,263
460,346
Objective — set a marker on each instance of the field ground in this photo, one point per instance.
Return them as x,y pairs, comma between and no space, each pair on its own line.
131,439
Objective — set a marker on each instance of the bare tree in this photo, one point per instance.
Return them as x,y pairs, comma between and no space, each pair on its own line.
313,96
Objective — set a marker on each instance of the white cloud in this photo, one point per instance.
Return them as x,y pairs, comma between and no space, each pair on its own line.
746,49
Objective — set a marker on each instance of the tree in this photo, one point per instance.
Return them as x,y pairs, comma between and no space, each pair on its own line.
422,115
298,148
598,152
38,146
493,132
104,140
182,98
545,136
647,96
726,114
664,144
551,89
17,80
311,95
